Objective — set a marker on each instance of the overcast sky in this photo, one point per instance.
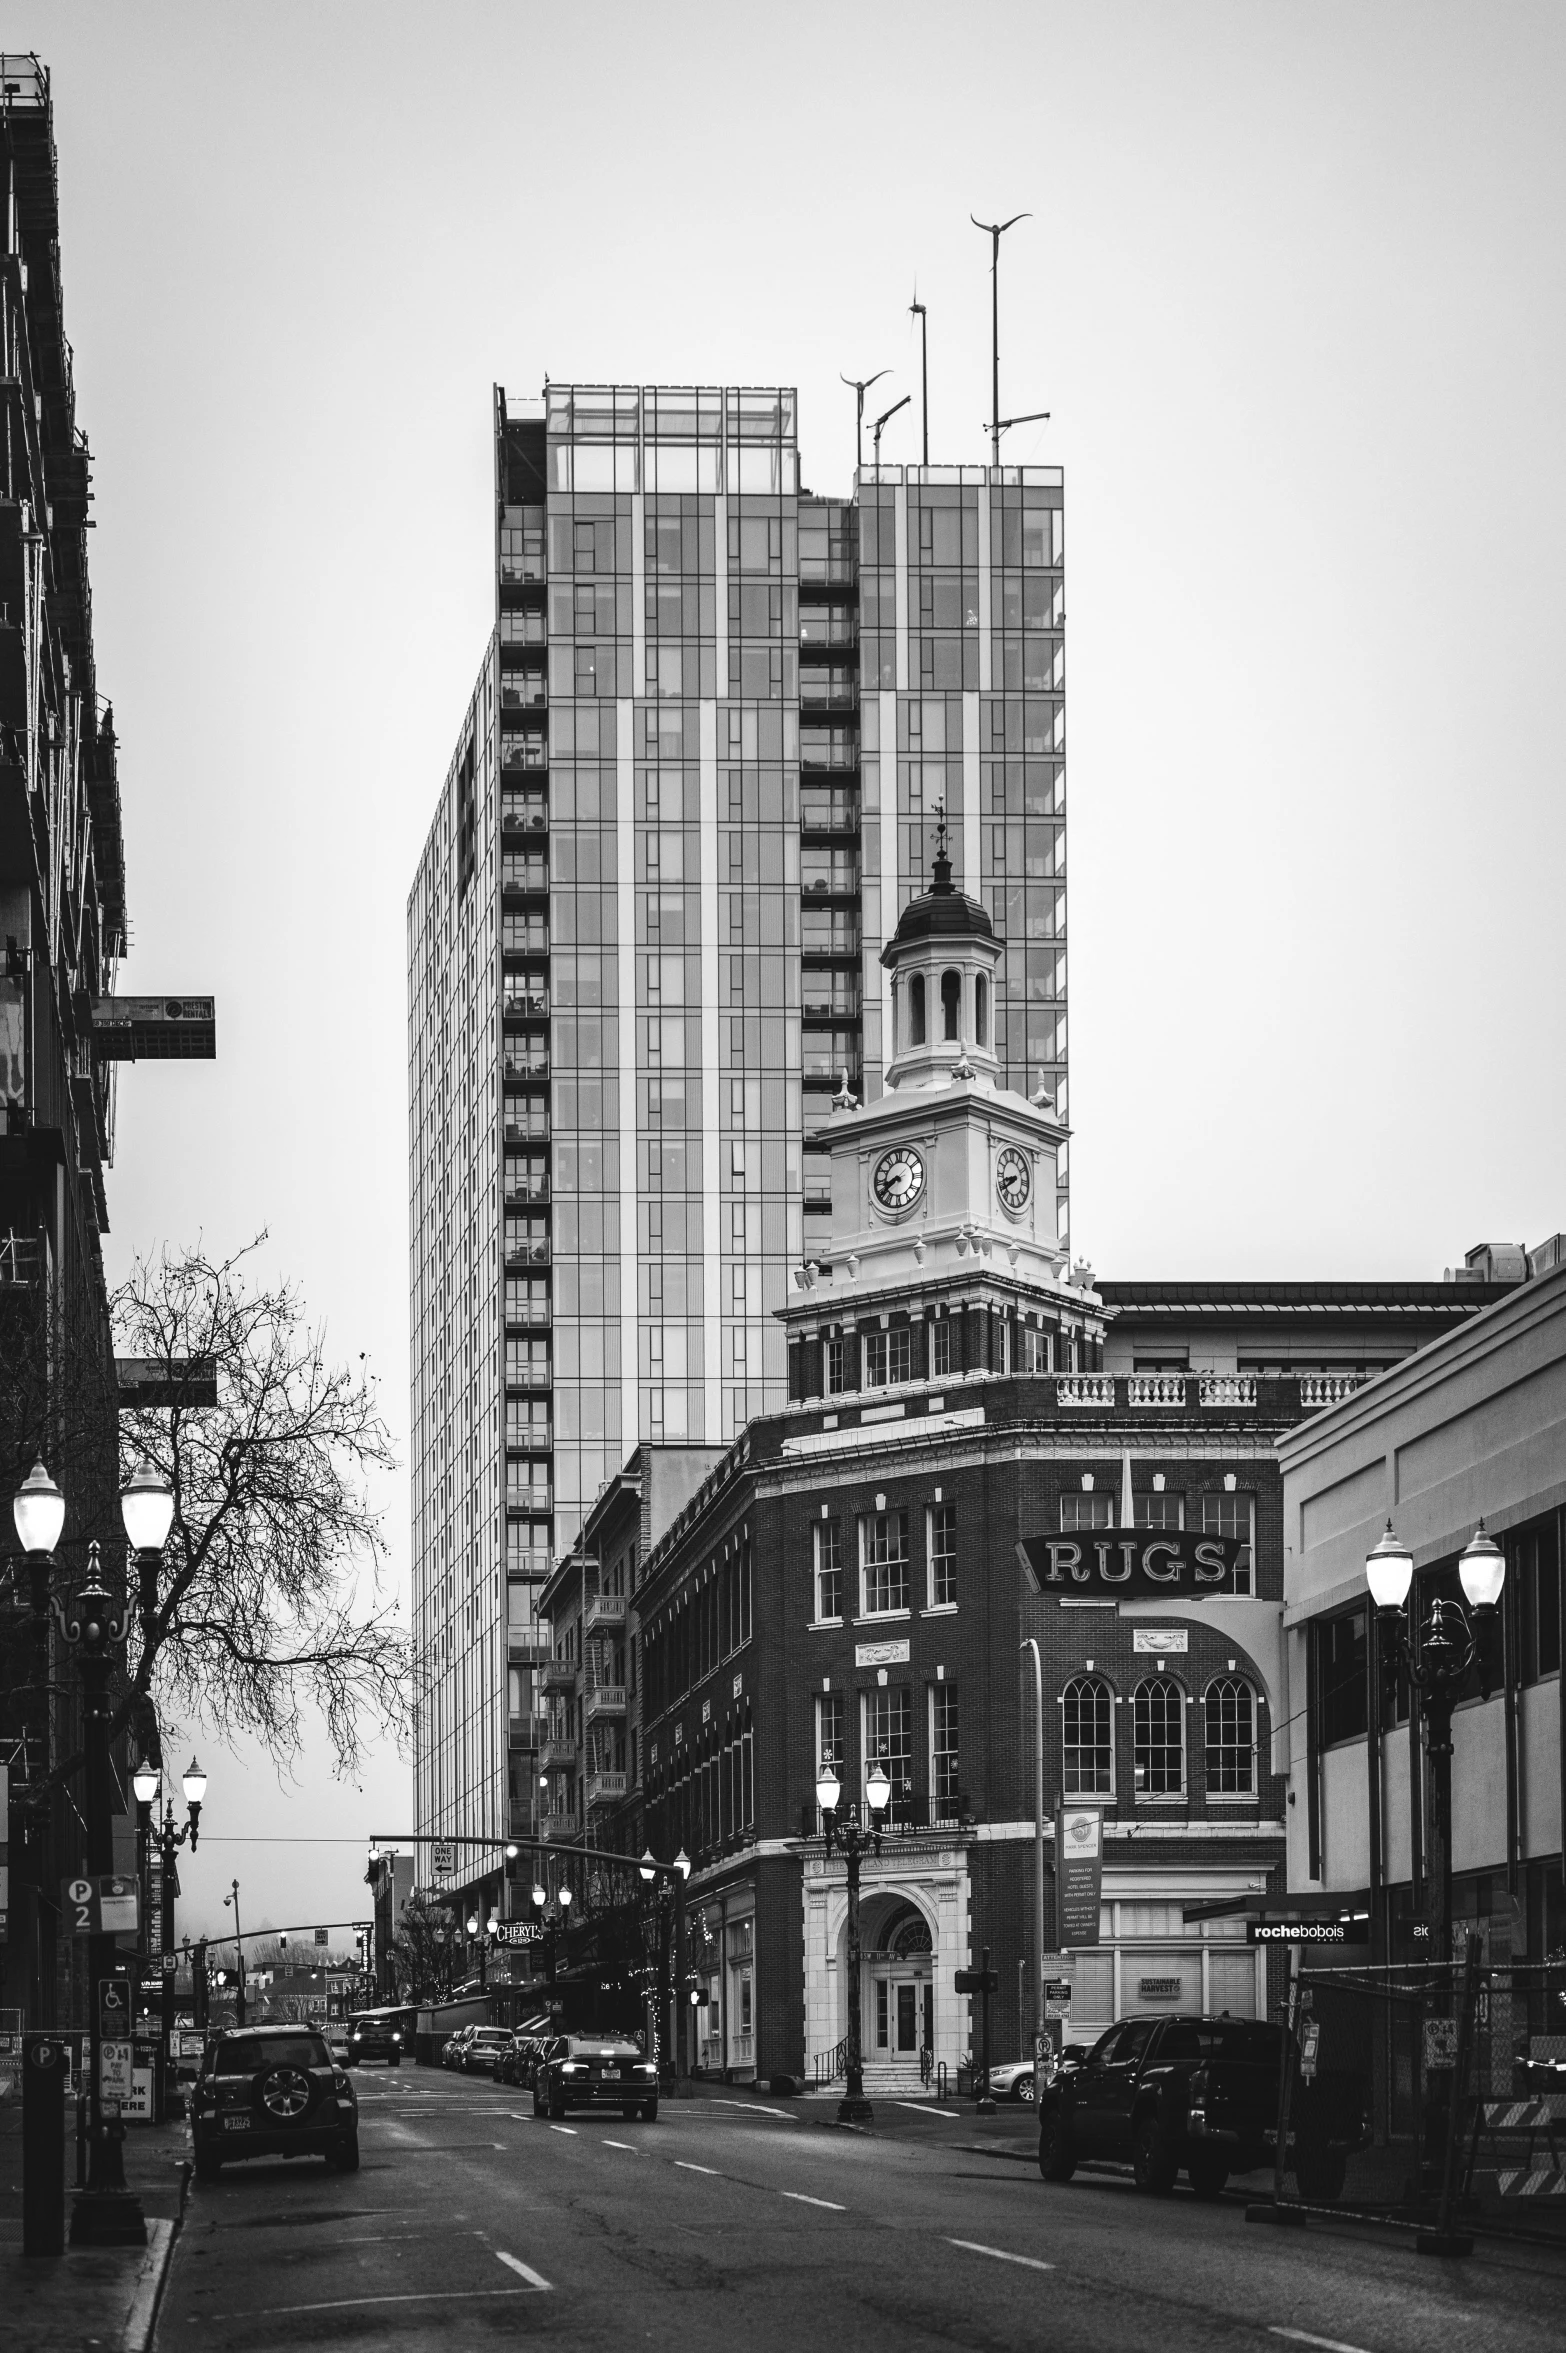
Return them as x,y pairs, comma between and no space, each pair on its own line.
1292,293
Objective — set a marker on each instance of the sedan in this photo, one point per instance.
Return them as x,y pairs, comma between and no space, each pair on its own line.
595,2071
452,2048
1013,2081
484,2049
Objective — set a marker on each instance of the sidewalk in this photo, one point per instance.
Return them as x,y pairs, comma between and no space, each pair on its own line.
89,2296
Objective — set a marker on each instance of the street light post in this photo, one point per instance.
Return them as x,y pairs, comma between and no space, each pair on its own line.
231,1903
1437,1664
146,1782
106,2213
850,1836
672,1968
1038,1837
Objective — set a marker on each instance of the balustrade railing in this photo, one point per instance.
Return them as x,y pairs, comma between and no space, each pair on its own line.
1228,1389
1155,1389
1084,1389
1329,1388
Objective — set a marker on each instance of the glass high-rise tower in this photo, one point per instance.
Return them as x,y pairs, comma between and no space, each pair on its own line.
698,779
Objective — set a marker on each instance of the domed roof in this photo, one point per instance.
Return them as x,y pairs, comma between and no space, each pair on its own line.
939,913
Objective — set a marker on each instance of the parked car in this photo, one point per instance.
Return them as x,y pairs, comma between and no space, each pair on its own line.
516,2064
1194,2094
379,2034
595,2071
1013,2081
482,2050
452,2048
272,2091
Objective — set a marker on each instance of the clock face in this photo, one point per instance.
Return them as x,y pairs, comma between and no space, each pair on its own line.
1013,1179
899,1178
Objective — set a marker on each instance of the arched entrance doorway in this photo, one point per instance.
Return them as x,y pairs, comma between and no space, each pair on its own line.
900,1969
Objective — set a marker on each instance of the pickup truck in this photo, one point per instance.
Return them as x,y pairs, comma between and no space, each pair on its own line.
1166,2094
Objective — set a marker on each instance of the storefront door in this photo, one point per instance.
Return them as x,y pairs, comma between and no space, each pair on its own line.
902,2005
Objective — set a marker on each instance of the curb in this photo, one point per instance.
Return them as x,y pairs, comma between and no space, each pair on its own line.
149,2286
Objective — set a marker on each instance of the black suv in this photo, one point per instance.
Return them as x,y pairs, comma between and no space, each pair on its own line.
379,2034
272,2091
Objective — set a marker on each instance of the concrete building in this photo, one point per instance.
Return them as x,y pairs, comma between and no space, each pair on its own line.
1471,1427
693,788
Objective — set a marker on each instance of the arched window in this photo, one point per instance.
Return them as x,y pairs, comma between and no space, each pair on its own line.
1231,1737
916,1010
951,998
1087,1738
981,1010
1158,1734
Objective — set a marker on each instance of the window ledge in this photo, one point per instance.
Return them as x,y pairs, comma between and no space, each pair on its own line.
820,1625
940,1609
1232,1797
1087,1797
885,1618
1176,1799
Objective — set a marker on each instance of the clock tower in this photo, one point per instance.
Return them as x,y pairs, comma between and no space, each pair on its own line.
943,1190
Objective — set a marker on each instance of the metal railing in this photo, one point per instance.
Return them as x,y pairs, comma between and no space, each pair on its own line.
830,2065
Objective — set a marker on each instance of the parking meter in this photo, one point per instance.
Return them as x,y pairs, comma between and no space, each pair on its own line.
46,2067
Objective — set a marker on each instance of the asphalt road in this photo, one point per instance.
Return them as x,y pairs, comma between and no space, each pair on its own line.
755,2225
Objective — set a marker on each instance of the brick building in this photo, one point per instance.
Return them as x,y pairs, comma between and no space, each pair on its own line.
848,1582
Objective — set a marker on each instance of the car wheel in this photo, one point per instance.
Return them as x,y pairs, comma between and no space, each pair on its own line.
208,2167
1320,2175
1057,2158
1022,2089
1209,2176
650,2112
1152,2163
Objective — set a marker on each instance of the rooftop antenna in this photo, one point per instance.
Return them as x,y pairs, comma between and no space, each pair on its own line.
882,421
995,231
859,389
922,315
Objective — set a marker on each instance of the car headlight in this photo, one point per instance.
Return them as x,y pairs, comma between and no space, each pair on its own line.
396,2038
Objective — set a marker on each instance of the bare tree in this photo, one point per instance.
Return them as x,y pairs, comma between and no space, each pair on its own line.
268,1599
421,1947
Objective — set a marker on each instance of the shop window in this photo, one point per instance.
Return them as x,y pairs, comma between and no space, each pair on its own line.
1340,1677
1233,1515
828,1570
883,1563
1080,1512
1158,1732
942,1526
1230,1707
1087,1738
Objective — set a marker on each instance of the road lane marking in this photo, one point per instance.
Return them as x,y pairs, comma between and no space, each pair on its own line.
362,2303
1302,2336
523,2270
685,2166
756,2108
570,2128
627,2145
801,2198
1001,2254
920,2109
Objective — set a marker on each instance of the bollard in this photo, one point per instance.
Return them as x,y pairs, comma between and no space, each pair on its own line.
45,2066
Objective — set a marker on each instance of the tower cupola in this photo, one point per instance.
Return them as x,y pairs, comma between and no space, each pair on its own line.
943,958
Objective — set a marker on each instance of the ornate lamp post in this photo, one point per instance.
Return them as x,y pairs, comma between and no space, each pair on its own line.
851,1837
168,1837
231,1903
106,2213
1437,1664
671,1876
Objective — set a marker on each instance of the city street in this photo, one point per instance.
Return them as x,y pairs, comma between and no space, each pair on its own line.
753,2222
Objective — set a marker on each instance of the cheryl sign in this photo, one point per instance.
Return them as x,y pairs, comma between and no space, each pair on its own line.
1143,1561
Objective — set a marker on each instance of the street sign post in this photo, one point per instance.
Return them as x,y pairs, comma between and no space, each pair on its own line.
108,1905
982,1981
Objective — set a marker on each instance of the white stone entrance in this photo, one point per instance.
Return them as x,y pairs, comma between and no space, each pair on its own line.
913,1932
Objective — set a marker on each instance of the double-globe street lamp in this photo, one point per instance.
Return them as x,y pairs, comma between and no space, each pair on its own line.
95,1625
1437,1661
851,1836
168,1837
665,1876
